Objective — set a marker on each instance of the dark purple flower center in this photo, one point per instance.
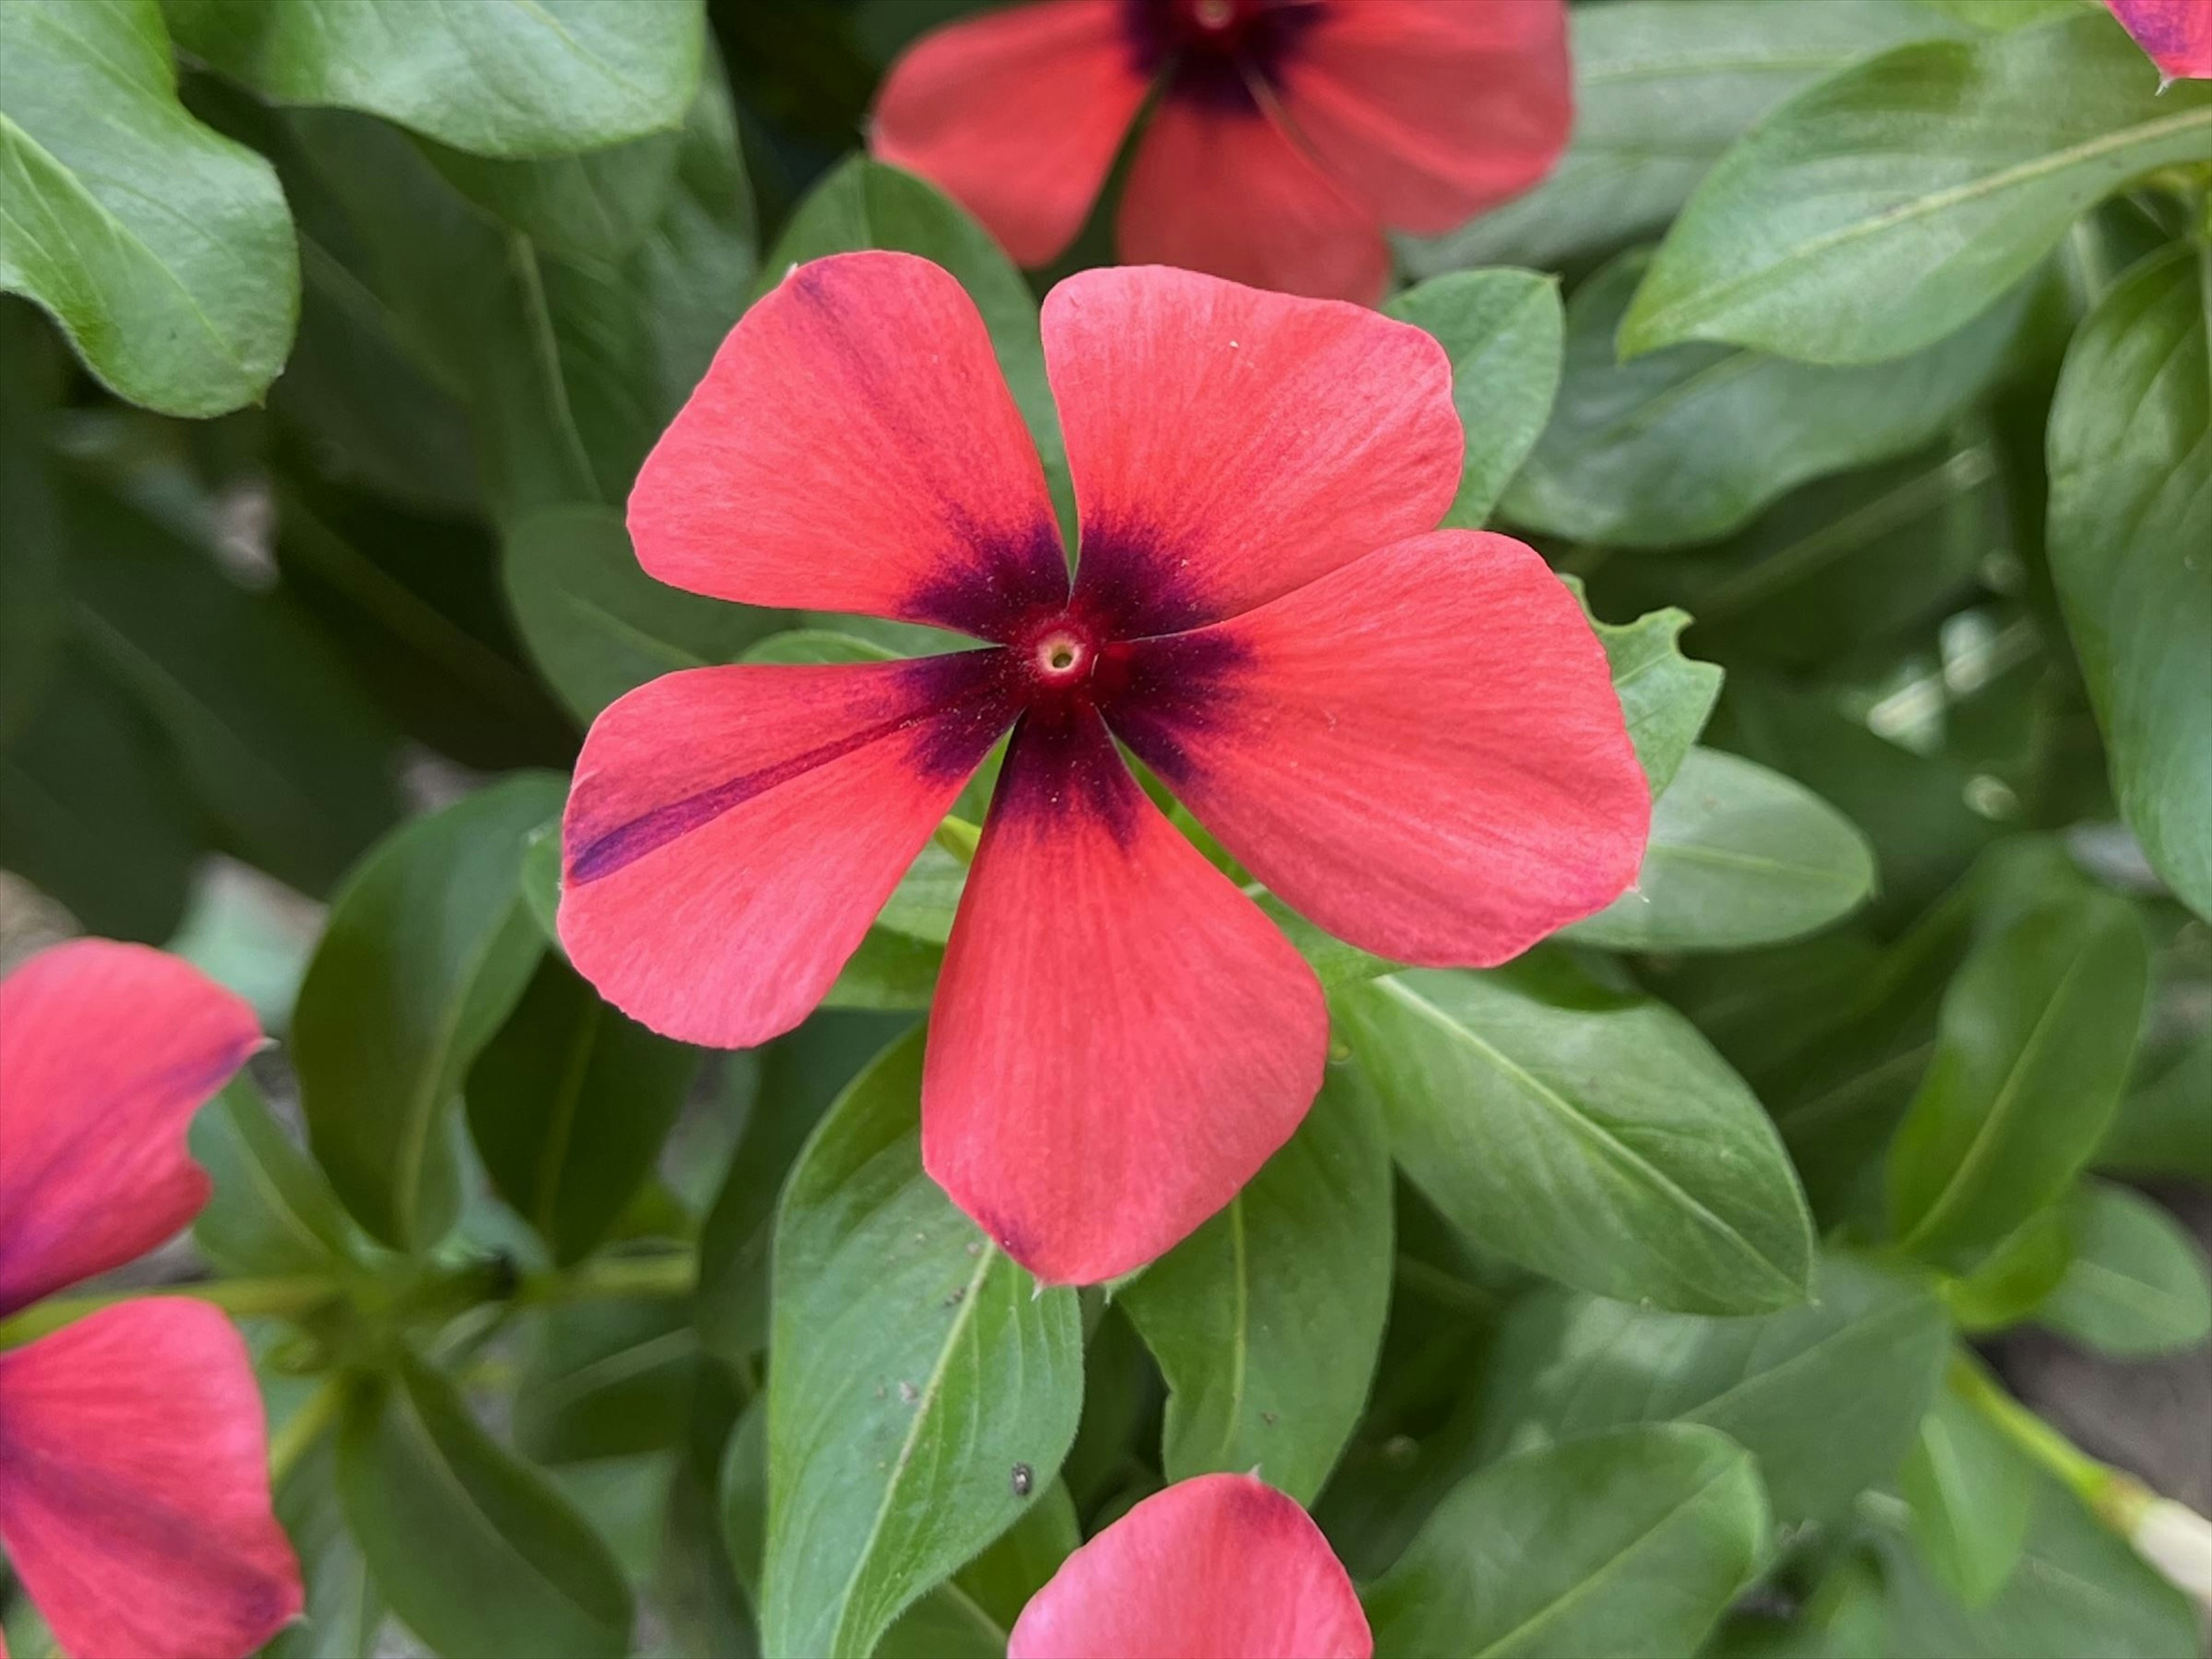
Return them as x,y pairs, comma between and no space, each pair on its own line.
1214,52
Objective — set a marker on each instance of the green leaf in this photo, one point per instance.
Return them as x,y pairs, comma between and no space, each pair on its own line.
972,1612
917,1369
568,1103
1267,1321
1588,1134
280,746
272,1211
1665,696
2031,1051
800,1073
541,879
2161,1127
2137,1283
33,592
889,972
344,1611
815,645
1826,1396
1972,1495
163,251
1620,1546
596,624
595,206
1689,445
1662,87
1739,856
476,1551
2021,1270
1878,211
523,77
863,203
428,947
1502,330
608,1379
2131,518
92,809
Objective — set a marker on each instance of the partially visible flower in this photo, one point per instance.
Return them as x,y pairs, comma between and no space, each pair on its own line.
134,1463
1285,134
1412,738
2176,33
1217,1567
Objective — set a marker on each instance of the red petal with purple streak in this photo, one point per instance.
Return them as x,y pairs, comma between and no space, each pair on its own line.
105,1052
134,1486
1121,1039
1218,1567
2176,34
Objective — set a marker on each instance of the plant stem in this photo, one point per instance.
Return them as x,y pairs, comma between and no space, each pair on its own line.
282,1297
672,1274
303,1428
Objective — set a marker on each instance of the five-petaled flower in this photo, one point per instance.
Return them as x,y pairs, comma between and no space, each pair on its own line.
1218,1567
2176,34
134,1463
1410,738
1285,134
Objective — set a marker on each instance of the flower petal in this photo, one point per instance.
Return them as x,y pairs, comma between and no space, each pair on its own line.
1218,1567
2176,34
733,831
1426,115
106,1051
1121,1039
1229,445
1221,188
134,1486
1421,751
1017,115
853,448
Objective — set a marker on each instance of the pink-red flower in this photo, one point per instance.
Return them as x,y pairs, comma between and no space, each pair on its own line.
133,1471
1410,737
2176,34
1285,134
1219,1567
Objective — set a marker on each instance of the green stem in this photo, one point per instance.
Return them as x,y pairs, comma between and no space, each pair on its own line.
303,1428
246,1298
673,1274
2119,1500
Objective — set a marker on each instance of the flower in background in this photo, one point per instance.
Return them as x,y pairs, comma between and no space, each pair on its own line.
134,1467
2176,33
1410,738
1285,134
1218,1567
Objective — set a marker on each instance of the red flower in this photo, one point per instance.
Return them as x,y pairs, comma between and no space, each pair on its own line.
1220,1567
2176,33
134,1467
1286,133
1410,738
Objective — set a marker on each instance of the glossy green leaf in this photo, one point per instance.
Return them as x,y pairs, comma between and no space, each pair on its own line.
541,879
163,251
1828,1396
1662,87
864,204
2137,1283
1739,856
93,810
596,206
1619,1546
476,1551
815,645
1690,444
1502,331
344,1611
1665,698
917,1369
2032,1052
568,1103
1267,1321
800,1073
2130,464
1587,1133
609,1379
428,948
272,1211
520,77
2021,1270
289,760
1880,210
972,1612
1972,1496
598,625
